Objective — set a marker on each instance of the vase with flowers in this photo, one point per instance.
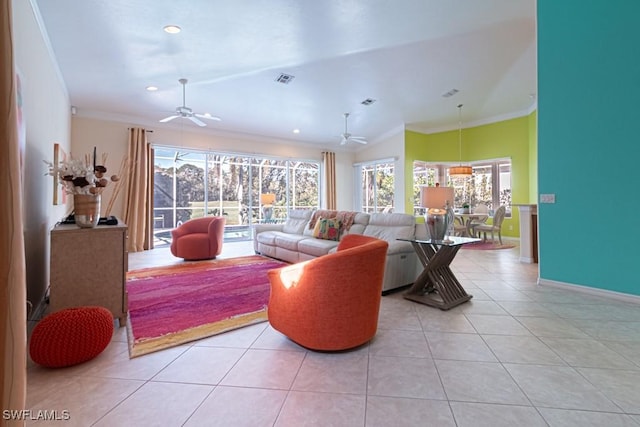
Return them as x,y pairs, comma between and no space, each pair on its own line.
85,179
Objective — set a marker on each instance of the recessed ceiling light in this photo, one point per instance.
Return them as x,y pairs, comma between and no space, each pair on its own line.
172,29
296,131
152,88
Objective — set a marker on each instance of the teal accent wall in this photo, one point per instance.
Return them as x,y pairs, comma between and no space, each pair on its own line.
533,158
588,109
505,139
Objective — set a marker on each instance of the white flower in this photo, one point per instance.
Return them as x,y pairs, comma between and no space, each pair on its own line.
79,176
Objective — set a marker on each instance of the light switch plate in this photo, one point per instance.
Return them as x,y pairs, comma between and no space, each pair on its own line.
547,198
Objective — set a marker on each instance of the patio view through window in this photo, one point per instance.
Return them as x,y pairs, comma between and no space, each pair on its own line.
377,186
191,184
490,183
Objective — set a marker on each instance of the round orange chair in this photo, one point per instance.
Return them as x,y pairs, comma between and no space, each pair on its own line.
332,302
198,238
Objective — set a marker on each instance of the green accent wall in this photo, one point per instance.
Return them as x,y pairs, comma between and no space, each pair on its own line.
505,139
588,91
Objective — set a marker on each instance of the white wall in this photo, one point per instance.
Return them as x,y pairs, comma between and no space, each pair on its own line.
46,113
111,137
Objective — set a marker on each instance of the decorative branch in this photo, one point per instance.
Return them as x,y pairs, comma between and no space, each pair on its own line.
122,173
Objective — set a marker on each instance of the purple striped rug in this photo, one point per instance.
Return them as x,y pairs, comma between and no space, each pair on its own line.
180,303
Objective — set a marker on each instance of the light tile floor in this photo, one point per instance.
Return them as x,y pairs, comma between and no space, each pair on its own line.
517,354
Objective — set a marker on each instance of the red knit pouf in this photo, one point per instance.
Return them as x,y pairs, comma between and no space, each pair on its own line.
71,336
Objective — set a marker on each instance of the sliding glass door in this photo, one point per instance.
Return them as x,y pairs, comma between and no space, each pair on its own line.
191,184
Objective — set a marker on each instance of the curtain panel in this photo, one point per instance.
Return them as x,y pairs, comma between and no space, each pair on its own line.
13,282
138,206
329,164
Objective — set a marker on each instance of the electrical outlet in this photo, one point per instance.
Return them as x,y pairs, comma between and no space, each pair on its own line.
511,228
547,198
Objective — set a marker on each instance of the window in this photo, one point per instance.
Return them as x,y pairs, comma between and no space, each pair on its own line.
191,184
377,186
490,183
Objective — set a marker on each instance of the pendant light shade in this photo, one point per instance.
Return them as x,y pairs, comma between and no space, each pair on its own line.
460,171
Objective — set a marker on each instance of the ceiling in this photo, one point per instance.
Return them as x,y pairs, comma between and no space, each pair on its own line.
404,54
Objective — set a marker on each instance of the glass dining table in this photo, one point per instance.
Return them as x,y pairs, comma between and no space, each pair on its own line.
468,219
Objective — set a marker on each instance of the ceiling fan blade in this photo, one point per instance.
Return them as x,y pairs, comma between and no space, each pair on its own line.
197,121
208,116
168,119
359,140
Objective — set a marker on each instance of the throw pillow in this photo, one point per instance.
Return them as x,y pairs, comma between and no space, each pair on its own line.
327,229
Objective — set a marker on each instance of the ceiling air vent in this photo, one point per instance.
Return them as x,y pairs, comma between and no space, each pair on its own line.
450,93
368,101
285,79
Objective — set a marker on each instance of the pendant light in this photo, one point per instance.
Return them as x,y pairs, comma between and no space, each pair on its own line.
460,171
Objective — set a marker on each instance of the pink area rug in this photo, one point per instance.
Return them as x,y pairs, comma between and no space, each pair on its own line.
486,246
172,305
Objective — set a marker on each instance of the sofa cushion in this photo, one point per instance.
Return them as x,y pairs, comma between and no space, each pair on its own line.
316,247
327,229
267,237
360,222
288,241
391,226
399,247
297,221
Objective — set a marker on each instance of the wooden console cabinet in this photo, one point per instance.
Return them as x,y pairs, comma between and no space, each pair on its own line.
89,267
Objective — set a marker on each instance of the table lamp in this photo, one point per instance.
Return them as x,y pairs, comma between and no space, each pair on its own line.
267,200
437,201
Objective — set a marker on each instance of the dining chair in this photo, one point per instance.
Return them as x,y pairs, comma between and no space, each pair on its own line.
459,227
483,215
498,217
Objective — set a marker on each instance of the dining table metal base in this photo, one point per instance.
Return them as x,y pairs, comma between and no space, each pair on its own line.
437,286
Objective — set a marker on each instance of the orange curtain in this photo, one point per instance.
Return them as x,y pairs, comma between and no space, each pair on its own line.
13,282
138,206
329,163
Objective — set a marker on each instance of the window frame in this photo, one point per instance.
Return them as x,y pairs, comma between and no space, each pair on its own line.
359,169
441,169
221,159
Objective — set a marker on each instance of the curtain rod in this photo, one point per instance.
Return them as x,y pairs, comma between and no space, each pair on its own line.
146,130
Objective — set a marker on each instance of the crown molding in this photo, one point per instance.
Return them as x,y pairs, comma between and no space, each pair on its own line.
481,122
49,48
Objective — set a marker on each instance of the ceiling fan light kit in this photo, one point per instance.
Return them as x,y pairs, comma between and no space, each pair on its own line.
186,112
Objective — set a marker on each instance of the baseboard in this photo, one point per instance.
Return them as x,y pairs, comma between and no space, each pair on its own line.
634,299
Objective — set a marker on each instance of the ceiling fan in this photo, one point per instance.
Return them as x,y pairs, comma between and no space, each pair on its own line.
187,113
347,137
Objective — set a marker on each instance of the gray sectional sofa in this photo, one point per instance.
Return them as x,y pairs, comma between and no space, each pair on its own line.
293,241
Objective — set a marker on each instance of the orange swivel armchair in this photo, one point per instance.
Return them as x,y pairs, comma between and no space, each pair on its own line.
332,302
199,238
